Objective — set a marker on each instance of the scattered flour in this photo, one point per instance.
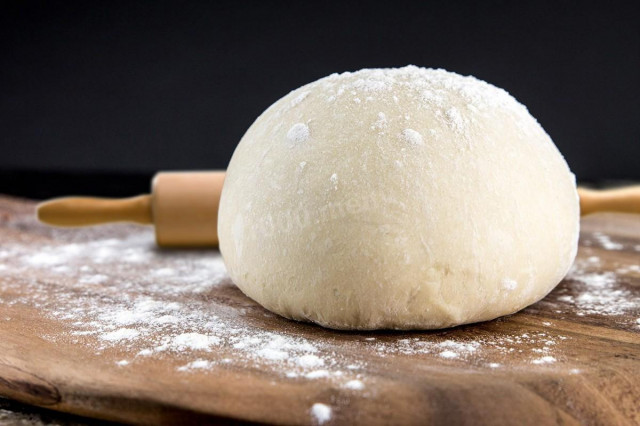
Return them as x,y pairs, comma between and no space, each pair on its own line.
190,341
43,259
376,83
120,334
629,268
334,180
380,123
186,309
298,133
94,279
509,284
606,243
317,374
354,385
310,361
544,360
272,354
164,272
432,97
596,292
321,413
433,90
455,120
199,364
412,137
298,99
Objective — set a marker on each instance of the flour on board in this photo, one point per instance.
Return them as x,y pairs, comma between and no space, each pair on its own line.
321,413
179,311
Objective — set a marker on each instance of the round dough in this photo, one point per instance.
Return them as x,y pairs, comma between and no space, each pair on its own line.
405,198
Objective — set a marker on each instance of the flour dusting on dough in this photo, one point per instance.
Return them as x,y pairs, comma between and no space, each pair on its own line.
298,133
412,137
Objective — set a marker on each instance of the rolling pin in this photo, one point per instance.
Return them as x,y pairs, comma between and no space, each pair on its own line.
183,207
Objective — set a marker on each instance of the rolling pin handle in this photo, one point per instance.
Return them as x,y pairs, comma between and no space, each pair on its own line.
85,211
620,200
183,206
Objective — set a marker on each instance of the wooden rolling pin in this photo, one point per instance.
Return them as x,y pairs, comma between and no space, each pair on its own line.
183,206
620,200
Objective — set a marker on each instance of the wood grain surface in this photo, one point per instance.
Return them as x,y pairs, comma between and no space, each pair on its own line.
572,358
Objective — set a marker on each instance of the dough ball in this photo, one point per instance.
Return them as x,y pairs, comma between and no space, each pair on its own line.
403,198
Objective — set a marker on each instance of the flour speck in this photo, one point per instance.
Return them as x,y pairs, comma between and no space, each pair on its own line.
381,123
544,360
454,119
120,334
310,361
317,374
412,137
298,133
334,180
509,284
94,279
298,99
606,242
354,384
321,413
272,354
199,364
190,342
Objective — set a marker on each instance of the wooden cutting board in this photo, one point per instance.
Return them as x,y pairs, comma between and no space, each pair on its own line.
101,323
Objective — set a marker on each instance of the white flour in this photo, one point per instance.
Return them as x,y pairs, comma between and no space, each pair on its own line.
299,132
321,413
433,90
597,292
606,242
544,360
182,310
412,137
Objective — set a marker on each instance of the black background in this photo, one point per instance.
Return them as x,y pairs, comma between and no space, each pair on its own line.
96,96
